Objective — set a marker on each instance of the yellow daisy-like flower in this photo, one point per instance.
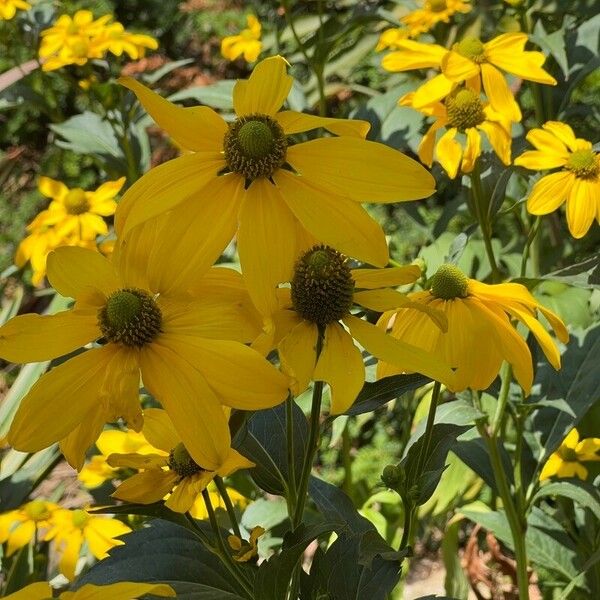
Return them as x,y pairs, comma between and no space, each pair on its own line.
172,471
124,590
75,212
71,528
431,13
245,176
186,349
117,40
21,526
8,8
566,461
35,248
97,470
462,114
315,312
577,183
473,62
390,38
477,314
246,43
245,550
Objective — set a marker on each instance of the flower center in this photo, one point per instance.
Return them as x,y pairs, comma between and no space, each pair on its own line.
437,5
72,28
182,463
584,163
471,47
80,518
322,286
568,454
76,202
130,317
79,48
449,282
37,510
465,109
255,146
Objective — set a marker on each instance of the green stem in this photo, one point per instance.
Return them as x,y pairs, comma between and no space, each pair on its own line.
347,460
228,505
532,248
502,399
291,462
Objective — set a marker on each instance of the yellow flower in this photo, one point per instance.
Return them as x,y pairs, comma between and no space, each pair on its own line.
433,12
390,38
71,528
172,471
480,334
74,212
21,526
566,461
283,196
245,550
97,470
123,590
35,248
187,350
117,40
577,183
247,42
322,293
198,509
462,112
473,62
8,8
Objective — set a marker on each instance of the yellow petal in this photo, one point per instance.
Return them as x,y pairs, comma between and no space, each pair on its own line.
72,271
571,439
123,590
108,190
431,91
371,279
550,192
192,406
427,144
449,153
159,430
35,591
563,132
588,449
540,161
52,188
472,150
341,366
198,128
70,549
552,467
457,67
144,462
413,55
147,487
296,122
100,534
266,89
499,139
388,349
82,438
165,187
266,223
334,220
498,92
548,142
20,536
361,170
35,338
581,206
68,390
235,461
298,355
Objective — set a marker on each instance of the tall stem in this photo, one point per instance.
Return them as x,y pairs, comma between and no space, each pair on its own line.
291,454
228,505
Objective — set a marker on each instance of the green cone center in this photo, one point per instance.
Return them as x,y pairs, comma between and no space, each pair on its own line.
255,146
37,510
465,109
584,163
568,454
472,48
130,317
76,202
182,463
449,282
438,5
80,518
322,286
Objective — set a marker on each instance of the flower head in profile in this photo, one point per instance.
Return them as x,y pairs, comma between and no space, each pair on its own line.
577,183
566,461
123,590
248,176
475,63
476,313
246,43
431,13
142,320
170,470
71,528
390,38
9,8
31,521
245,550
464,116
315,331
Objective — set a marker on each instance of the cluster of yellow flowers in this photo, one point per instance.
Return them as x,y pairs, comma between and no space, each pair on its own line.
68,530
73,218
75,40
246,43
9,8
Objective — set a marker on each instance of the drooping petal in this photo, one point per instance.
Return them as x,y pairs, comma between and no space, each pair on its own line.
298,354
70,547
21,535
339,166
72,271
388,349
265,90
449,152
69,390
432,91
341,366
472,150
159,429
372,279
123,590
296,122
35,338
413,55
550,192
235,461
266,224
499,139
100,534
498,92
581,206
198,128
552,467
427,144
82,438
457,67
334,220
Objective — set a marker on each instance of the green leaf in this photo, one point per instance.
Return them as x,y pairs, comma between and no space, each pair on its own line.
581,492
154,76
455,582
266,513
217,95
582,274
